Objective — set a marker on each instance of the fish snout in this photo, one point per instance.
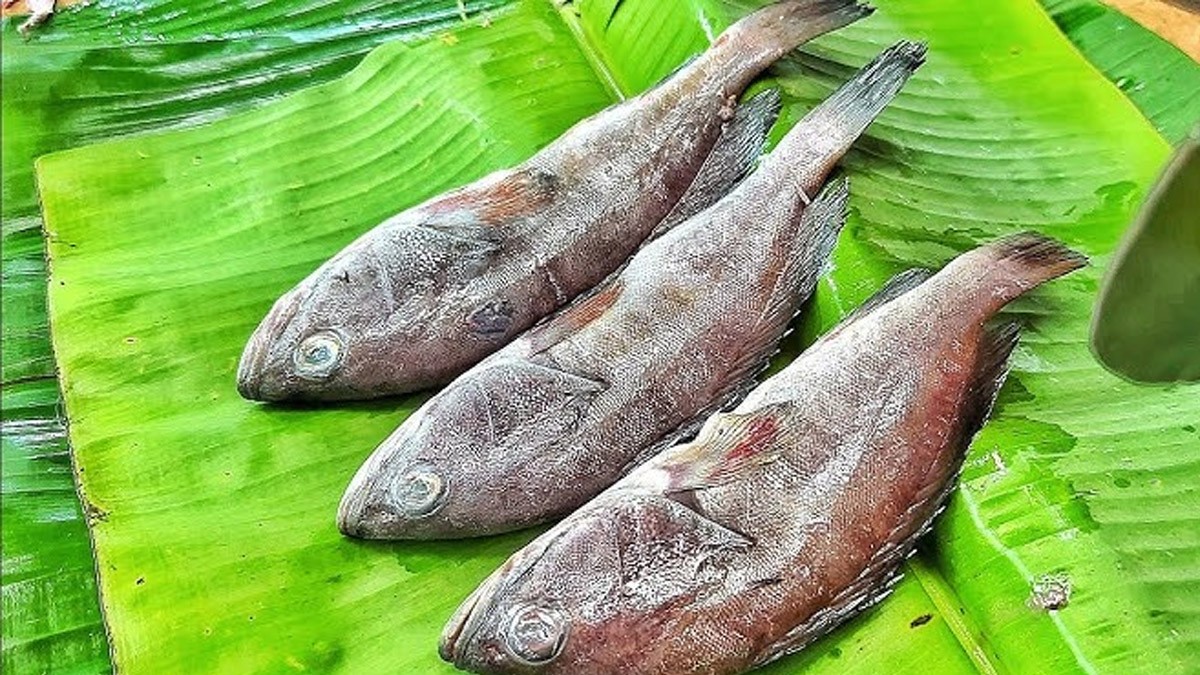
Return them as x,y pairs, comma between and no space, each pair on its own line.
524,638
250,372
390,506
469,641
455,634
257,379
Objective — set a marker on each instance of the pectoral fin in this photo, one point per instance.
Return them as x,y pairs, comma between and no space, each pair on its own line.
728,447
481,211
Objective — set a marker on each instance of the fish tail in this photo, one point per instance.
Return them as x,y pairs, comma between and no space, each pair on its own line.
751,45
820,139
1018,263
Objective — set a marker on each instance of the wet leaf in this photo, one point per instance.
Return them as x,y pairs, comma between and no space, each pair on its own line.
1007,128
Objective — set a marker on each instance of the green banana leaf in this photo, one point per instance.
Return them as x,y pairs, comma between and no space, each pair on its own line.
1161,80
94,73
913,595
1147,322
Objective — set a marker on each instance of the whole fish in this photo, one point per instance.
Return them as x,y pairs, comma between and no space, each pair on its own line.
785,516
561,413
432,291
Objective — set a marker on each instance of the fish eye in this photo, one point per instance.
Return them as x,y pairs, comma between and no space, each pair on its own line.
536,635
419,493
319,355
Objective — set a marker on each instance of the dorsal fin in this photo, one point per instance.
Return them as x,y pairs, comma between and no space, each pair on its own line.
894,288
574,317
819,226
732,157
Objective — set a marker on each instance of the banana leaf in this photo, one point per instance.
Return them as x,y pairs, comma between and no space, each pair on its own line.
1161,80
1147,323
89,76
929,571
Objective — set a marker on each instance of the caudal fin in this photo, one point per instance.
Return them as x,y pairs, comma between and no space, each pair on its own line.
751,45
808,153
1034,258
1008,267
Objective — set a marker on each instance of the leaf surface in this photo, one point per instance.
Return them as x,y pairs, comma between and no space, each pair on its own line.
198,490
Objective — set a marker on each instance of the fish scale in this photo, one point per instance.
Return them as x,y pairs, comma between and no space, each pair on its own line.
860,439
682,331
472,269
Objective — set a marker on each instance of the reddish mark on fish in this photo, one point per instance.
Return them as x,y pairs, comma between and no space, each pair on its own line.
580,314
761,432
518,194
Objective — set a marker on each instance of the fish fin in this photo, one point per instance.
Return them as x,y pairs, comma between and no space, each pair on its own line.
523,192
1039,256
882,572
991,369
688,429
733,156
479,211
894,288
828,130
1008,267
728,447
866,591
574,316
820,224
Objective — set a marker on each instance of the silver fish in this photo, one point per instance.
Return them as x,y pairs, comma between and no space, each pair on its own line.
432,291
561,413
784,517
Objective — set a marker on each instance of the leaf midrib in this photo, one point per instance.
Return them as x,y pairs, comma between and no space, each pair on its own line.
566,10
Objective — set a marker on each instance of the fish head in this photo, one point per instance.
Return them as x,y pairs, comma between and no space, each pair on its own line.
599,592
331,337
472,460
539,611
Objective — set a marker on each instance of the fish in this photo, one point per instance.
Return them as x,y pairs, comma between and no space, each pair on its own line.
432,291
785,516
561,413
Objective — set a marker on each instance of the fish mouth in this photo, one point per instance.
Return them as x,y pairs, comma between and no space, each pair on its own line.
350,520
253,382
465,621
369,510
354,511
